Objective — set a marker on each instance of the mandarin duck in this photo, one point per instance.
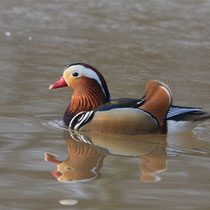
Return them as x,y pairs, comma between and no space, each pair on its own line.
91,108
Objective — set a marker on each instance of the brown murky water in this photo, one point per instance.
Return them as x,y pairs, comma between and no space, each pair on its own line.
130,42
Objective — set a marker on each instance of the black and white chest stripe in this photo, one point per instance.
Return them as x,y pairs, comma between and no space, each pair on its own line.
81,119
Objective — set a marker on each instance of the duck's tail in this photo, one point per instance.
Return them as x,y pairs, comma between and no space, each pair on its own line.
184,119
179,113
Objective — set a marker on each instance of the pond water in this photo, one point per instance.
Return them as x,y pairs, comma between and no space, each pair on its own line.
46,166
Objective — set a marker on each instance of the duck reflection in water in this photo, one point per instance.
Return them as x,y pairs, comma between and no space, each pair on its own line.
153,163
87,152
83,163
150,148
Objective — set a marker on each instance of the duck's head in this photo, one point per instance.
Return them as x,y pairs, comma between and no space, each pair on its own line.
89,88
78,74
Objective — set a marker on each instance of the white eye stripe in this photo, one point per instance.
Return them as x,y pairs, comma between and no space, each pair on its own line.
87,72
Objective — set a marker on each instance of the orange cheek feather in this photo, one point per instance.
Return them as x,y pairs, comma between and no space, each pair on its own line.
75,83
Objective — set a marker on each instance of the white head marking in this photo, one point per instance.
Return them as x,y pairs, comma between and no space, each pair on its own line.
86,72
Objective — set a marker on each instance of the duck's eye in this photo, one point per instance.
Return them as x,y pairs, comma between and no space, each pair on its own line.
75,74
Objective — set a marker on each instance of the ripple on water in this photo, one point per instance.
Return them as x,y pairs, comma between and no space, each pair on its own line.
55,124
50,121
